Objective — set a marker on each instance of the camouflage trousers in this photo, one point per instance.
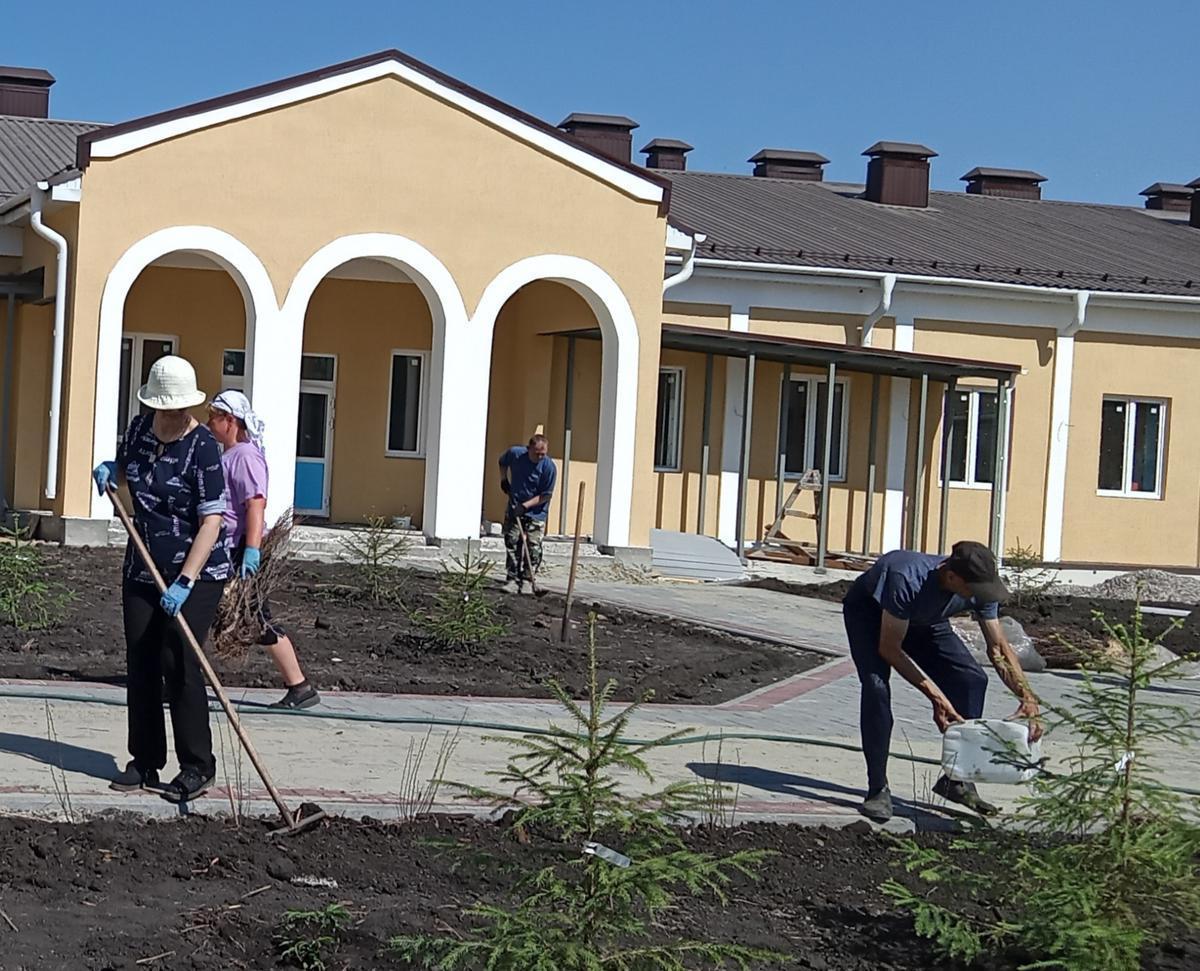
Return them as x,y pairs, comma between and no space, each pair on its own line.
535,530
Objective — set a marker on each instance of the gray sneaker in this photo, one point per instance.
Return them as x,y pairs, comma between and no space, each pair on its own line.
877,807
511,587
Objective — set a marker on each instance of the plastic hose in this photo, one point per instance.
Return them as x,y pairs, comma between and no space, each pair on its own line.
429,721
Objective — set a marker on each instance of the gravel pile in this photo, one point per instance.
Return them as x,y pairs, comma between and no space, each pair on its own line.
1154,585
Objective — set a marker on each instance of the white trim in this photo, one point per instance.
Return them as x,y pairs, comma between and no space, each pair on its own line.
1132,404
632,184
811,417
731,434
442,515
465,437
423,357
677,413
70,191
329,390
237,260
896,474
1056,465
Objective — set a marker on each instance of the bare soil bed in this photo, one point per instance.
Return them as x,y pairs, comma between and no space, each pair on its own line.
1064,629
201,894
347,643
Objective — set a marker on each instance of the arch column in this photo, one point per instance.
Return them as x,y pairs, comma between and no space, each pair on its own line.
230,254
463,432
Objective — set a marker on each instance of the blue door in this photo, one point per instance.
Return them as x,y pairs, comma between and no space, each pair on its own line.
312,452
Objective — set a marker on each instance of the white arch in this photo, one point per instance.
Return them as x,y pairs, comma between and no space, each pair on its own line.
277,373
618,389
230,253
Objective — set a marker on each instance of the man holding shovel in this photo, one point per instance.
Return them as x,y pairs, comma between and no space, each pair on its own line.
897,615
527,476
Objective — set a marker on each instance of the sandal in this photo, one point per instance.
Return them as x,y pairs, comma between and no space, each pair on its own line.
189,784
133,778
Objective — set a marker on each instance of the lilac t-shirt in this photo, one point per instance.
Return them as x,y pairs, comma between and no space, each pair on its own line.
245,469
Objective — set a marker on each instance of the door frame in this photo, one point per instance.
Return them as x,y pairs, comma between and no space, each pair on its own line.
329,389
138,338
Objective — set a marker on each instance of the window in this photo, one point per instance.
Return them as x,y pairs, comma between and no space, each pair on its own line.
669,420
971,434
138,354
1132,431
802,424
405,414
233,370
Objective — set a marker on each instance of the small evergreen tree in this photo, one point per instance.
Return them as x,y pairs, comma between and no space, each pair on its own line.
463,613
1027,579
374,552
593,909
29,599
1111,862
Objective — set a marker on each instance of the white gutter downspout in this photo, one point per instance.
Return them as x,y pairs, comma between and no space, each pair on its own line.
1060,428
689,265
888,285
37,201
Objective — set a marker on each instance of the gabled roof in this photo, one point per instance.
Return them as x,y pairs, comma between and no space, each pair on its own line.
140,132
974,237
32,149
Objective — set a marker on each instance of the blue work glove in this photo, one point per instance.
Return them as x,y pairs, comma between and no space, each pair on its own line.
172,600
251,561
105,475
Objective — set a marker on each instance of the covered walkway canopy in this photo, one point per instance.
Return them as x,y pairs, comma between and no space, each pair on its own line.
878,362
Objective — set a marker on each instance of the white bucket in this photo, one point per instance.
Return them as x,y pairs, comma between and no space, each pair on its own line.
990,750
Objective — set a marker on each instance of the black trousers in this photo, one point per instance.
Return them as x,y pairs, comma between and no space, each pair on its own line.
156,654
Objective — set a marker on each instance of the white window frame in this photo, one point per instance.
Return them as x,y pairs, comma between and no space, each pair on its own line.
135,369
1125,492
422,410
677,465
234,382
972,439
811,418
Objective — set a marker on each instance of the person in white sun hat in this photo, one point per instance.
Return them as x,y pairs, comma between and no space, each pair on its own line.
240,433
172,465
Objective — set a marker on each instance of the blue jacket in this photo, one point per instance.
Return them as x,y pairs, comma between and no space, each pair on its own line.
528,479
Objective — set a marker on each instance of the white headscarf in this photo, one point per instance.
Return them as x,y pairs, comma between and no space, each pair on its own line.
237,404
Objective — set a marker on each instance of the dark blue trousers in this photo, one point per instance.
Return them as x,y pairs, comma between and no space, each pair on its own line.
938,651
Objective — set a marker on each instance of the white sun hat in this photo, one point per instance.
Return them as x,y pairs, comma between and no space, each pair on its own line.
171,386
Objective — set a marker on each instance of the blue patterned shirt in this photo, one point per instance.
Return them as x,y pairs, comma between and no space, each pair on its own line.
174,485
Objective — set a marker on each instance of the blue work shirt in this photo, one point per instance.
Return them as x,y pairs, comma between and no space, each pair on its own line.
528,479
905,584
174,485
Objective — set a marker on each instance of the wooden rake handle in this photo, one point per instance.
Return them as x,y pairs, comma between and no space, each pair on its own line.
209,673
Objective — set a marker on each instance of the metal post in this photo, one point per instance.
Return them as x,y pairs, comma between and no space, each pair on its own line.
6,397
916,541
568,400
823,522
744,464
999,472
944,515
872,465
704,441
781,470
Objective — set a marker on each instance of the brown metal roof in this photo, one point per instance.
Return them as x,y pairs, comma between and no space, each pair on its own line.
32,149
975,237
793,350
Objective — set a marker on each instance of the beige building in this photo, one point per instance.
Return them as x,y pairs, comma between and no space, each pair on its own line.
407,276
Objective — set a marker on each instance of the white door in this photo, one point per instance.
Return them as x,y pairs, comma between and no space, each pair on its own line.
138,354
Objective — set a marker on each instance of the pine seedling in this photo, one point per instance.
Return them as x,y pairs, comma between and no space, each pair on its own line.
463,614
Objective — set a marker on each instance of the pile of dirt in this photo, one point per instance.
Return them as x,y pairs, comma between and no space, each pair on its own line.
202,894
1065,630
348,643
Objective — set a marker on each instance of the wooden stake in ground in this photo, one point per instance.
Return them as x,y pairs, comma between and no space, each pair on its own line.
293,824
566,621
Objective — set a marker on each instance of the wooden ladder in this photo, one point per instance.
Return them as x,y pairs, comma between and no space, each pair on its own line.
776,544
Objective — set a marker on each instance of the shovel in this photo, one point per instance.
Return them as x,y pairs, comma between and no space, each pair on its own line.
294,823
537,591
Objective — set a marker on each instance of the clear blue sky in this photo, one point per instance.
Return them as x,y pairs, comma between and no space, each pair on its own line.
1098,96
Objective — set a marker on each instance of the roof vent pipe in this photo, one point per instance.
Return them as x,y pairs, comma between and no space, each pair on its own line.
1195,218
610,135
781,163
1168,196
898,174
985,180
666,153
887,285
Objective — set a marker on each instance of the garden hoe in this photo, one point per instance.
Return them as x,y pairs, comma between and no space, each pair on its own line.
293,820
537,591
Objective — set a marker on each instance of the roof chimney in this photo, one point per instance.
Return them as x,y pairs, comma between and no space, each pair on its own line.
25,91
898,174
667,153
780,163
984,180
1194,221
610,135
1168,196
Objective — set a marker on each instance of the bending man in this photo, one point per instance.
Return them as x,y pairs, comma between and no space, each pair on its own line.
527,476
897,615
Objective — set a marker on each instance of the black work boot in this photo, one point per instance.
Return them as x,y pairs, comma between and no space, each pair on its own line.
877,807
191,783
302,695
965,794
133,778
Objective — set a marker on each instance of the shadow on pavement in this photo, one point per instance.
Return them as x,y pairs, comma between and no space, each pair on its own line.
70,758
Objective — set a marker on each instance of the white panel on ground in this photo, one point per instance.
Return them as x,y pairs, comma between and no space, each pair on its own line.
692,556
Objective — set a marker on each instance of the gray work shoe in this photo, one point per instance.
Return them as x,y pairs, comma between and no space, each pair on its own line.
965,794
877,807
511,587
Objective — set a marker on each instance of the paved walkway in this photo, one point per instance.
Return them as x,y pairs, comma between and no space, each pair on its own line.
57,751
